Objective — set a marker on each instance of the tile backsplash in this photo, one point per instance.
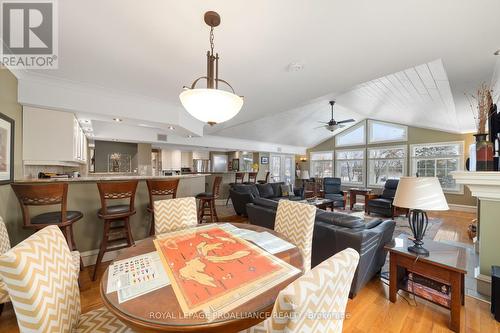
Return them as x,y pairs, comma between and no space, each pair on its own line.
31,171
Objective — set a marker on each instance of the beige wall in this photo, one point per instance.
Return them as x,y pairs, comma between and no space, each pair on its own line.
416,135
9,207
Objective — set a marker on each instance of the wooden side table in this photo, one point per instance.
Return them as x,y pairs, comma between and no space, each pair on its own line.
445,264
354,192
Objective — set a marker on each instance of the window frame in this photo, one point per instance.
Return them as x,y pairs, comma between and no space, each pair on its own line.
404,158
311,169
349,130
363,166
460,158
370,132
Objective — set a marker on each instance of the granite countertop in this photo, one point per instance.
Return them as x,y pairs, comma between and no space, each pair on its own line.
102,177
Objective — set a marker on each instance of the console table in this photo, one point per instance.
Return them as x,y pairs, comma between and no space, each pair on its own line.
445,264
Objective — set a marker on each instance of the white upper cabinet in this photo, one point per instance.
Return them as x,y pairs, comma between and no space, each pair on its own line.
52,138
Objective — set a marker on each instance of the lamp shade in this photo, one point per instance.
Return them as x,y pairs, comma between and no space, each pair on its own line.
424,193
211,106
304,174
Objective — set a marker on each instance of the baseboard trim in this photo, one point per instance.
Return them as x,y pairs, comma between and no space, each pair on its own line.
89,257
463,208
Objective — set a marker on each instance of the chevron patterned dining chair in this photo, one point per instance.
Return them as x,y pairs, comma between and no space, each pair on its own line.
175,214
295,221
42,283
4,247
316,301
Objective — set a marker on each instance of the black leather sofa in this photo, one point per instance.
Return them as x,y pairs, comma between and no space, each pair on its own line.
332,188
383,204
242,194
334,232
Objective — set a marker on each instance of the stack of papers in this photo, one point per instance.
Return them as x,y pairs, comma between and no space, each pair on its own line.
136,276
265,240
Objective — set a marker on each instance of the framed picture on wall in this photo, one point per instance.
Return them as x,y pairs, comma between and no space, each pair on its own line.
6,149
264,160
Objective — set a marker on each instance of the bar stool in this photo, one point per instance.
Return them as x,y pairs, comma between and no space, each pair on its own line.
266,179
48,195
159,188
239,178
115,213
207,201
252,178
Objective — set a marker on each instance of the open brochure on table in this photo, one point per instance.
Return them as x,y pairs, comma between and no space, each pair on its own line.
265,240
136,276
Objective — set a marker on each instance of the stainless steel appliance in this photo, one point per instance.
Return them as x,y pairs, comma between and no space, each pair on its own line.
201,166
219,162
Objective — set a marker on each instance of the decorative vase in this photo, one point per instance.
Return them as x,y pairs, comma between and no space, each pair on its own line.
484,153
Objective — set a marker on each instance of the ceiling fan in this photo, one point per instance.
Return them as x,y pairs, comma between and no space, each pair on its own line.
332,125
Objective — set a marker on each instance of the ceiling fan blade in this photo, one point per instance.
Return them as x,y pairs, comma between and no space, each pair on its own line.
323,122
319,127
345,121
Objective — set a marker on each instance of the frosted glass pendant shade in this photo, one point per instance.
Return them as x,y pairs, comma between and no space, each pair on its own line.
211,106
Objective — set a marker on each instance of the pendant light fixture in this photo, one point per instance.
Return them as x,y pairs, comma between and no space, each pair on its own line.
211,104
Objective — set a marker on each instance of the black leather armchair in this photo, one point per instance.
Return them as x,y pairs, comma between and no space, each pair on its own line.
332,190
383,204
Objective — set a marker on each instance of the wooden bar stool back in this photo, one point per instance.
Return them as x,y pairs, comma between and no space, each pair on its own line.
113,215
207,202
157,189
47,195
239,177
266,179
252,177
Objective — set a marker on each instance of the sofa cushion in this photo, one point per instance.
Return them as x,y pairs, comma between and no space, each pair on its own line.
265,190
265,203
341,220
334,197
372,223
277,189
246,188
380,202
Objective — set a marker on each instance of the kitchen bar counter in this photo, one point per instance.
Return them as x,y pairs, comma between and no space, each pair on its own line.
104,177
83,196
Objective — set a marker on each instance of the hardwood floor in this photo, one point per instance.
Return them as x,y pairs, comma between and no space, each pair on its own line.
371,310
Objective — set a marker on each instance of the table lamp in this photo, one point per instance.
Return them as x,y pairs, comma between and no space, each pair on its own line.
419,194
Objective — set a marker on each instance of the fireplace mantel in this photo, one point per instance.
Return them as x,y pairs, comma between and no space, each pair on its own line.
484,185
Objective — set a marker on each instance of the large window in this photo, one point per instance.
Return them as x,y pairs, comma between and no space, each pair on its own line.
353,136
350,165
321,164
438,160
386,163
379,131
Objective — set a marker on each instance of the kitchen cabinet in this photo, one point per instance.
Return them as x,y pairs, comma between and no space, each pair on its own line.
52,138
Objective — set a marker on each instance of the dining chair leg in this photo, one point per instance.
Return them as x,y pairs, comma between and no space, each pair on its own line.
74,245
130,239
152,226
102,250
67,234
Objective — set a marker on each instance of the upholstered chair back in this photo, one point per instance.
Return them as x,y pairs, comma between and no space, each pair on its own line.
295,221
174,214
332,185
4,247
390,188
42,283
316,301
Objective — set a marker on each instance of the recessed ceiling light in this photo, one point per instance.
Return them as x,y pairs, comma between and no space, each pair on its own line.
171,127
85,121
118,120
497,52
190,136
295,67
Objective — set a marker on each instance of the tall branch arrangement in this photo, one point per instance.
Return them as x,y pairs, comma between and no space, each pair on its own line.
482,110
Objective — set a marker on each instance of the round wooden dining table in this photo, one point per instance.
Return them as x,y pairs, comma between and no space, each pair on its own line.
159,310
